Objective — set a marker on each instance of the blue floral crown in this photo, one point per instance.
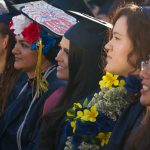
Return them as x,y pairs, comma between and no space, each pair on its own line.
47,41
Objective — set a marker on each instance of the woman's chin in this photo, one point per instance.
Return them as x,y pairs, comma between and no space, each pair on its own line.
110,69
17,66
60,75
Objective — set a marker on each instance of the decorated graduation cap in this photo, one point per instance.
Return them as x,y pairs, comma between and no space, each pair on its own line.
52,19
42,26
80,10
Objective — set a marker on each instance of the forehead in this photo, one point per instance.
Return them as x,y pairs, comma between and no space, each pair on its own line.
121,25
65,43
20,39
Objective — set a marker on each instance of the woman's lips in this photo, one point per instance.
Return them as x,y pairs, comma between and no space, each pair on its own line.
108,57
17,59
59,68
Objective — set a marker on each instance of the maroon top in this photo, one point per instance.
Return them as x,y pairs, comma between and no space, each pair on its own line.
53,100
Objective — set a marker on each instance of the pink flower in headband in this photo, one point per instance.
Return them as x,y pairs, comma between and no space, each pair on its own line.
31,33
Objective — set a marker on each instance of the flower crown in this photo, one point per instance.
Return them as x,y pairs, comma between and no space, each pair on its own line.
31,32
39,40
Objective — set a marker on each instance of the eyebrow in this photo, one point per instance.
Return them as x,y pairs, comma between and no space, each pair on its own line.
116,33
19,40
66,49
23,41
63,48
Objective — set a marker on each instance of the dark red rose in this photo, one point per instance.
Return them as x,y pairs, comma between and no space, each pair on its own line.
31,33
10,24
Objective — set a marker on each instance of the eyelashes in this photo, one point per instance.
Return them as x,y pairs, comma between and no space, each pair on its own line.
66,51
24,45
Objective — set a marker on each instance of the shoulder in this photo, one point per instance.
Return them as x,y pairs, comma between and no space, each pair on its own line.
124,126
17,87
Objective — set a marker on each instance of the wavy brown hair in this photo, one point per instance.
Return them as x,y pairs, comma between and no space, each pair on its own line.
138,31
138,22
10,74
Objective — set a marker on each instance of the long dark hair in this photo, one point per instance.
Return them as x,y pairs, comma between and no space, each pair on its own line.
10,74
84,74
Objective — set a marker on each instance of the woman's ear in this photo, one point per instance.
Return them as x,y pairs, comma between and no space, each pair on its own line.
5,42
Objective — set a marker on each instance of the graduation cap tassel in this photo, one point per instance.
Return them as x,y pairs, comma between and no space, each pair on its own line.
38,68
41,83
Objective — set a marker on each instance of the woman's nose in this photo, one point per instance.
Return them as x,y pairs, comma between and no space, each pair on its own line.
59,56
108,47
16,49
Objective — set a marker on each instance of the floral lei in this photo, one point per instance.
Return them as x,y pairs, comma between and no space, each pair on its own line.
89,126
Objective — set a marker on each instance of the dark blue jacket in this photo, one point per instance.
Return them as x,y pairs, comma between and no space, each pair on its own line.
15,113
124,126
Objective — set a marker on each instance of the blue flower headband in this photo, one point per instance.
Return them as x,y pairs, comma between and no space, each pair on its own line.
47,41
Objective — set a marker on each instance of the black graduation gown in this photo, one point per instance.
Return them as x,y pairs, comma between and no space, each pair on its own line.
15,114
124,126
17,88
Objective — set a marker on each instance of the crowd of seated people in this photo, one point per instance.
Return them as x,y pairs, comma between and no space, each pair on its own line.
88,89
